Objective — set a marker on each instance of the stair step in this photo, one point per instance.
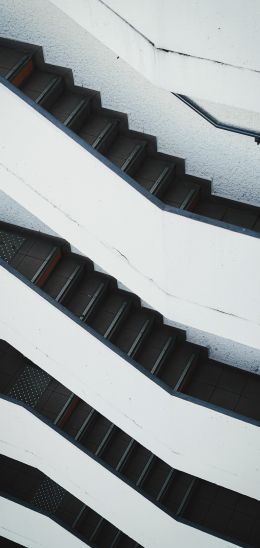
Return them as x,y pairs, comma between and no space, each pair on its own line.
105,440
179,365
64,278
109,315
104,535
95,432
228,212
145,471
70,284
155,175
127,153
134,331
177,492
117,448
47,267
76,421
182,194
157,478
135,464
240,217
68,509
36,259
15,66
43,87
86,522
99,131
71,109
90,293
53,400
12,62
67,410
157,347
89,418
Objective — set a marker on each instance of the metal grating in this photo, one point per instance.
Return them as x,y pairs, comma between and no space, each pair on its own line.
10,243
49,496
30,385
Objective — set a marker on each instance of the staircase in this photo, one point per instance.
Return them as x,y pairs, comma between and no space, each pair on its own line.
80,110
31,487
136,332
182,496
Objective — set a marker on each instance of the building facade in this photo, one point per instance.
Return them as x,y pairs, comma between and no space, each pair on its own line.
129,285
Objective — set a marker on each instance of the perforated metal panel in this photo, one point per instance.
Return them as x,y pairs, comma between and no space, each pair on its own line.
10,243
49,496
30,385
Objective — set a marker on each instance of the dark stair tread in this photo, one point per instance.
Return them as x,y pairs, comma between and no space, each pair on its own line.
115,449
154,345
125,148
182,193
226,387
240,216
96,430
176,491
61,274
71,109
52,400
89,291
97,128
66,104
152,171
31,256
131,328
105,535
87,523
156,477
136,462
182,354
10,58
37,83
77,418
107,311
228,212
225,512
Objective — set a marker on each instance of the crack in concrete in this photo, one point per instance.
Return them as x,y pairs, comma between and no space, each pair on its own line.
111,248
164,50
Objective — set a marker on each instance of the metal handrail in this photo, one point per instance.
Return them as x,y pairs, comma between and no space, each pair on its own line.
216,123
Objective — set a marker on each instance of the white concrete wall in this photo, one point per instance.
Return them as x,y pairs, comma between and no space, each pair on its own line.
32,529
26,438
210,53
230,160
198,27
188,436
152,253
